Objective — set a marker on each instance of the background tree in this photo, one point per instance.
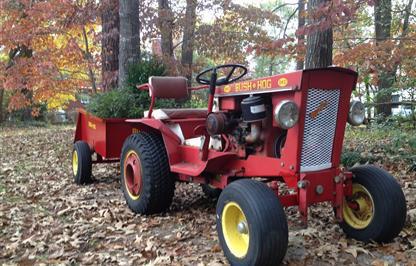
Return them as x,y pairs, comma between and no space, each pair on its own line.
48,49
382,23
188,38
165,22
301,37
319,42
129,50
110,21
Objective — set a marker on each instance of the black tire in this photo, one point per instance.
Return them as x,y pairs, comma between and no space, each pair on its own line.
83,168
158,183
211,192
389,210
279,143
265,219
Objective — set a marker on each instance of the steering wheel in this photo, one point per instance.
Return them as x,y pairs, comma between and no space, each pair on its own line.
223,80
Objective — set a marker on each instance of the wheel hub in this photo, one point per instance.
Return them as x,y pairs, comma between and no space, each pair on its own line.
235,229
133,175
242,227
358,211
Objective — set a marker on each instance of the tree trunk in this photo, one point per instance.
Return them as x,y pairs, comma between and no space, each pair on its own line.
88,57
382,23
129,46
301,37
165,26
319,43
109,44
1,104
188,38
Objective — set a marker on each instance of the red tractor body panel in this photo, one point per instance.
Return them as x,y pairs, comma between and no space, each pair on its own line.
310,156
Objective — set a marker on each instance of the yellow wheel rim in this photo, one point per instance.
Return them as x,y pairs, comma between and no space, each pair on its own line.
75,162
235,229
358,210
133,174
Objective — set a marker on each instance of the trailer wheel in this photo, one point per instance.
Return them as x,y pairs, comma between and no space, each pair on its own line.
210,191
251,224
147,183
377,208
81,163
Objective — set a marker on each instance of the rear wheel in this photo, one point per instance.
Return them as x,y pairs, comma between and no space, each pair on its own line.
81,163
251,224
147,183
377,208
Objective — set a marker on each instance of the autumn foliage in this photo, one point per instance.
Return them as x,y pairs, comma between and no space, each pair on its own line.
45,48
52,48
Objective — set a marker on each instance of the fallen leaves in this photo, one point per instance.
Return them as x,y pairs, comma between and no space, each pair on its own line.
354,251
45,218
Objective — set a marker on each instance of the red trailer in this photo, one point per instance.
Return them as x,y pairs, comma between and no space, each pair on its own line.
104,137
286,128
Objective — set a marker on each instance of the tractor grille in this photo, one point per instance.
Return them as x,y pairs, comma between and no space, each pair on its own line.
320,123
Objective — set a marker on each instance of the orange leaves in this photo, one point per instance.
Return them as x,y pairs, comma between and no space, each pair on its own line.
45,48
331,14
235,32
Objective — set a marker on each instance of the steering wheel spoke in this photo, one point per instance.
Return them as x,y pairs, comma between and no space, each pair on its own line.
228,78
223,80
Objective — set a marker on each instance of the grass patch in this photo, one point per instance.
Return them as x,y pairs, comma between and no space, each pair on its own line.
373,144
2,188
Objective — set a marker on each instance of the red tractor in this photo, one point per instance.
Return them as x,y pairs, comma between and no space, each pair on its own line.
254,137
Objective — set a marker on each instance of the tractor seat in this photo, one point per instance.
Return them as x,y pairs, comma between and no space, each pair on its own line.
164,114
172,88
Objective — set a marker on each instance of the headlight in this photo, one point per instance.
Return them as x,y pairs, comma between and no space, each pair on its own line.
356,114
286,114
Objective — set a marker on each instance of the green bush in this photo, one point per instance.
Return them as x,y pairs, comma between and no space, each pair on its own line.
116,103
139,73
129,102
25,114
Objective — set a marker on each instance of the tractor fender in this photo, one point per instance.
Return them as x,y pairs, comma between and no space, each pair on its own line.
170,139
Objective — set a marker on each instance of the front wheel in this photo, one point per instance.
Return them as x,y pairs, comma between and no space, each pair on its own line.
251,224
376,210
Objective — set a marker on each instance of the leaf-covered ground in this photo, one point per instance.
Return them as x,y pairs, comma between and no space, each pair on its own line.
45,218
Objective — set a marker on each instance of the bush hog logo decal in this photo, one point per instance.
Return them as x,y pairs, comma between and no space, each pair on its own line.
92,125
261,84
285,82
282,82
322,105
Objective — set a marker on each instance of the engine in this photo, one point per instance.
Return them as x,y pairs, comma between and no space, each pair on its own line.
243,128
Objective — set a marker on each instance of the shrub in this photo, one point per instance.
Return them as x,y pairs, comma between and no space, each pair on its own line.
129,102
26,113
116,103
139,73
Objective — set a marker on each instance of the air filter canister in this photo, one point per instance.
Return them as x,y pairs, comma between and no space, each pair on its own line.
253,109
